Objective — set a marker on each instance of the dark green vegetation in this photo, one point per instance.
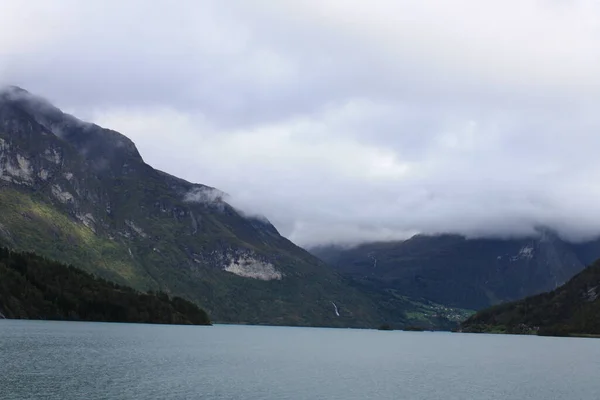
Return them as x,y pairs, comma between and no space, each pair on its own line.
33,287
82,195
463,273
571,310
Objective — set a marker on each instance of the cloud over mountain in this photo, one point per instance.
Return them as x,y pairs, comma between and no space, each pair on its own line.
340,121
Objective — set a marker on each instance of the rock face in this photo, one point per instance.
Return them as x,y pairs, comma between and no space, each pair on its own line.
466,273
81,194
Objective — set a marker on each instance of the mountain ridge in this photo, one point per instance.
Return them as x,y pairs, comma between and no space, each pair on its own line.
83,195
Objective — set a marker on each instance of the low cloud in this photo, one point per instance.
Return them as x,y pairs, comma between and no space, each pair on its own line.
341,121
205,195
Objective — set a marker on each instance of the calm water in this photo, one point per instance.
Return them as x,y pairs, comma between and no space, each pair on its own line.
63,360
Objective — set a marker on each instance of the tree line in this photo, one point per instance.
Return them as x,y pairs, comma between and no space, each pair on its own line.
34,287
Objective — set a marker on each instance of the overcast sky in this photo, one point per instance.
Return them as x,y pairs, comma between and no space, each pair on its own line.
340,120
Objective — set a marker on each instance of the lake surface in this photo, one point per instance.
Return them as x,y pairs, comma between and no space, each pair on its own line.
69,360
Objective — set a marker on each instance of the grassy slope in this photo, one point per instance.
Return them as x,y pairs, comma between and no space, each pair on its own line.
35,225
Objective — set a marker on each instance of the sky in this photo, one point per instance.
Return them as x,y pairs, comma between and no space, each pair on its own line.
340,121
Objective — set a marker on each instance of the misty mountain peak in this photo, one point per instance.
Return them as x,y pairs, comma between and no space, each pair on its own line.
102,147
7,90
18,96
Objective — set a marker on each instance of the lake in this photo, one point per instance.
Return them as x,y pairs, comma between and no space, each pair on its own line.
79,360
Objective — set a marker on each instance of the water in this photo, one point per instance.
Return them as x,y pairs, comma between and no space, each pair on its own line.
64,360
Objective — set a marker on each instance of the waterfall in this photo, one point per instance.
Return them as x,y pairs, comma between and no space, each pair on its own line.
336,309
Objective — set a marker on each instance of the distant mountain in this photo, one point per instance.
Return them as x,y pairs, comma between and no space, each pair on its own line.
466,273
33,287
572,309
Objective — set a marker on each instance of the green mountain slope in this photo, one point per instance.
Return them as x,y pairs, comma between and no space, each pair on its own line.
464,273
33,287
83,195
572,309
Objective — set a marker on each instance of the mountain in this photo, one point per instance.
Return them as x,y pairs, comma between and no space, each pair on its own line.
467,273
32,287
82,195
572,309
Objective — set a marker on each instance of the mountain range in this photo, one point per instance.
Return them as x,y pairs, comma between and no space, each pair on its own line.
461,272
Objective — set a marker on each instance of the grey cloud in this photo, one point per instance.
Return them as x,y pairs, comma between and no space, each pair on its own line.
341,121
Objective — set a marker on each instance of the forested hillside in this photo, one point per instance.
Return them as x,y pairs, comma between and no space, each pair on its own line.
33,287
572,309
